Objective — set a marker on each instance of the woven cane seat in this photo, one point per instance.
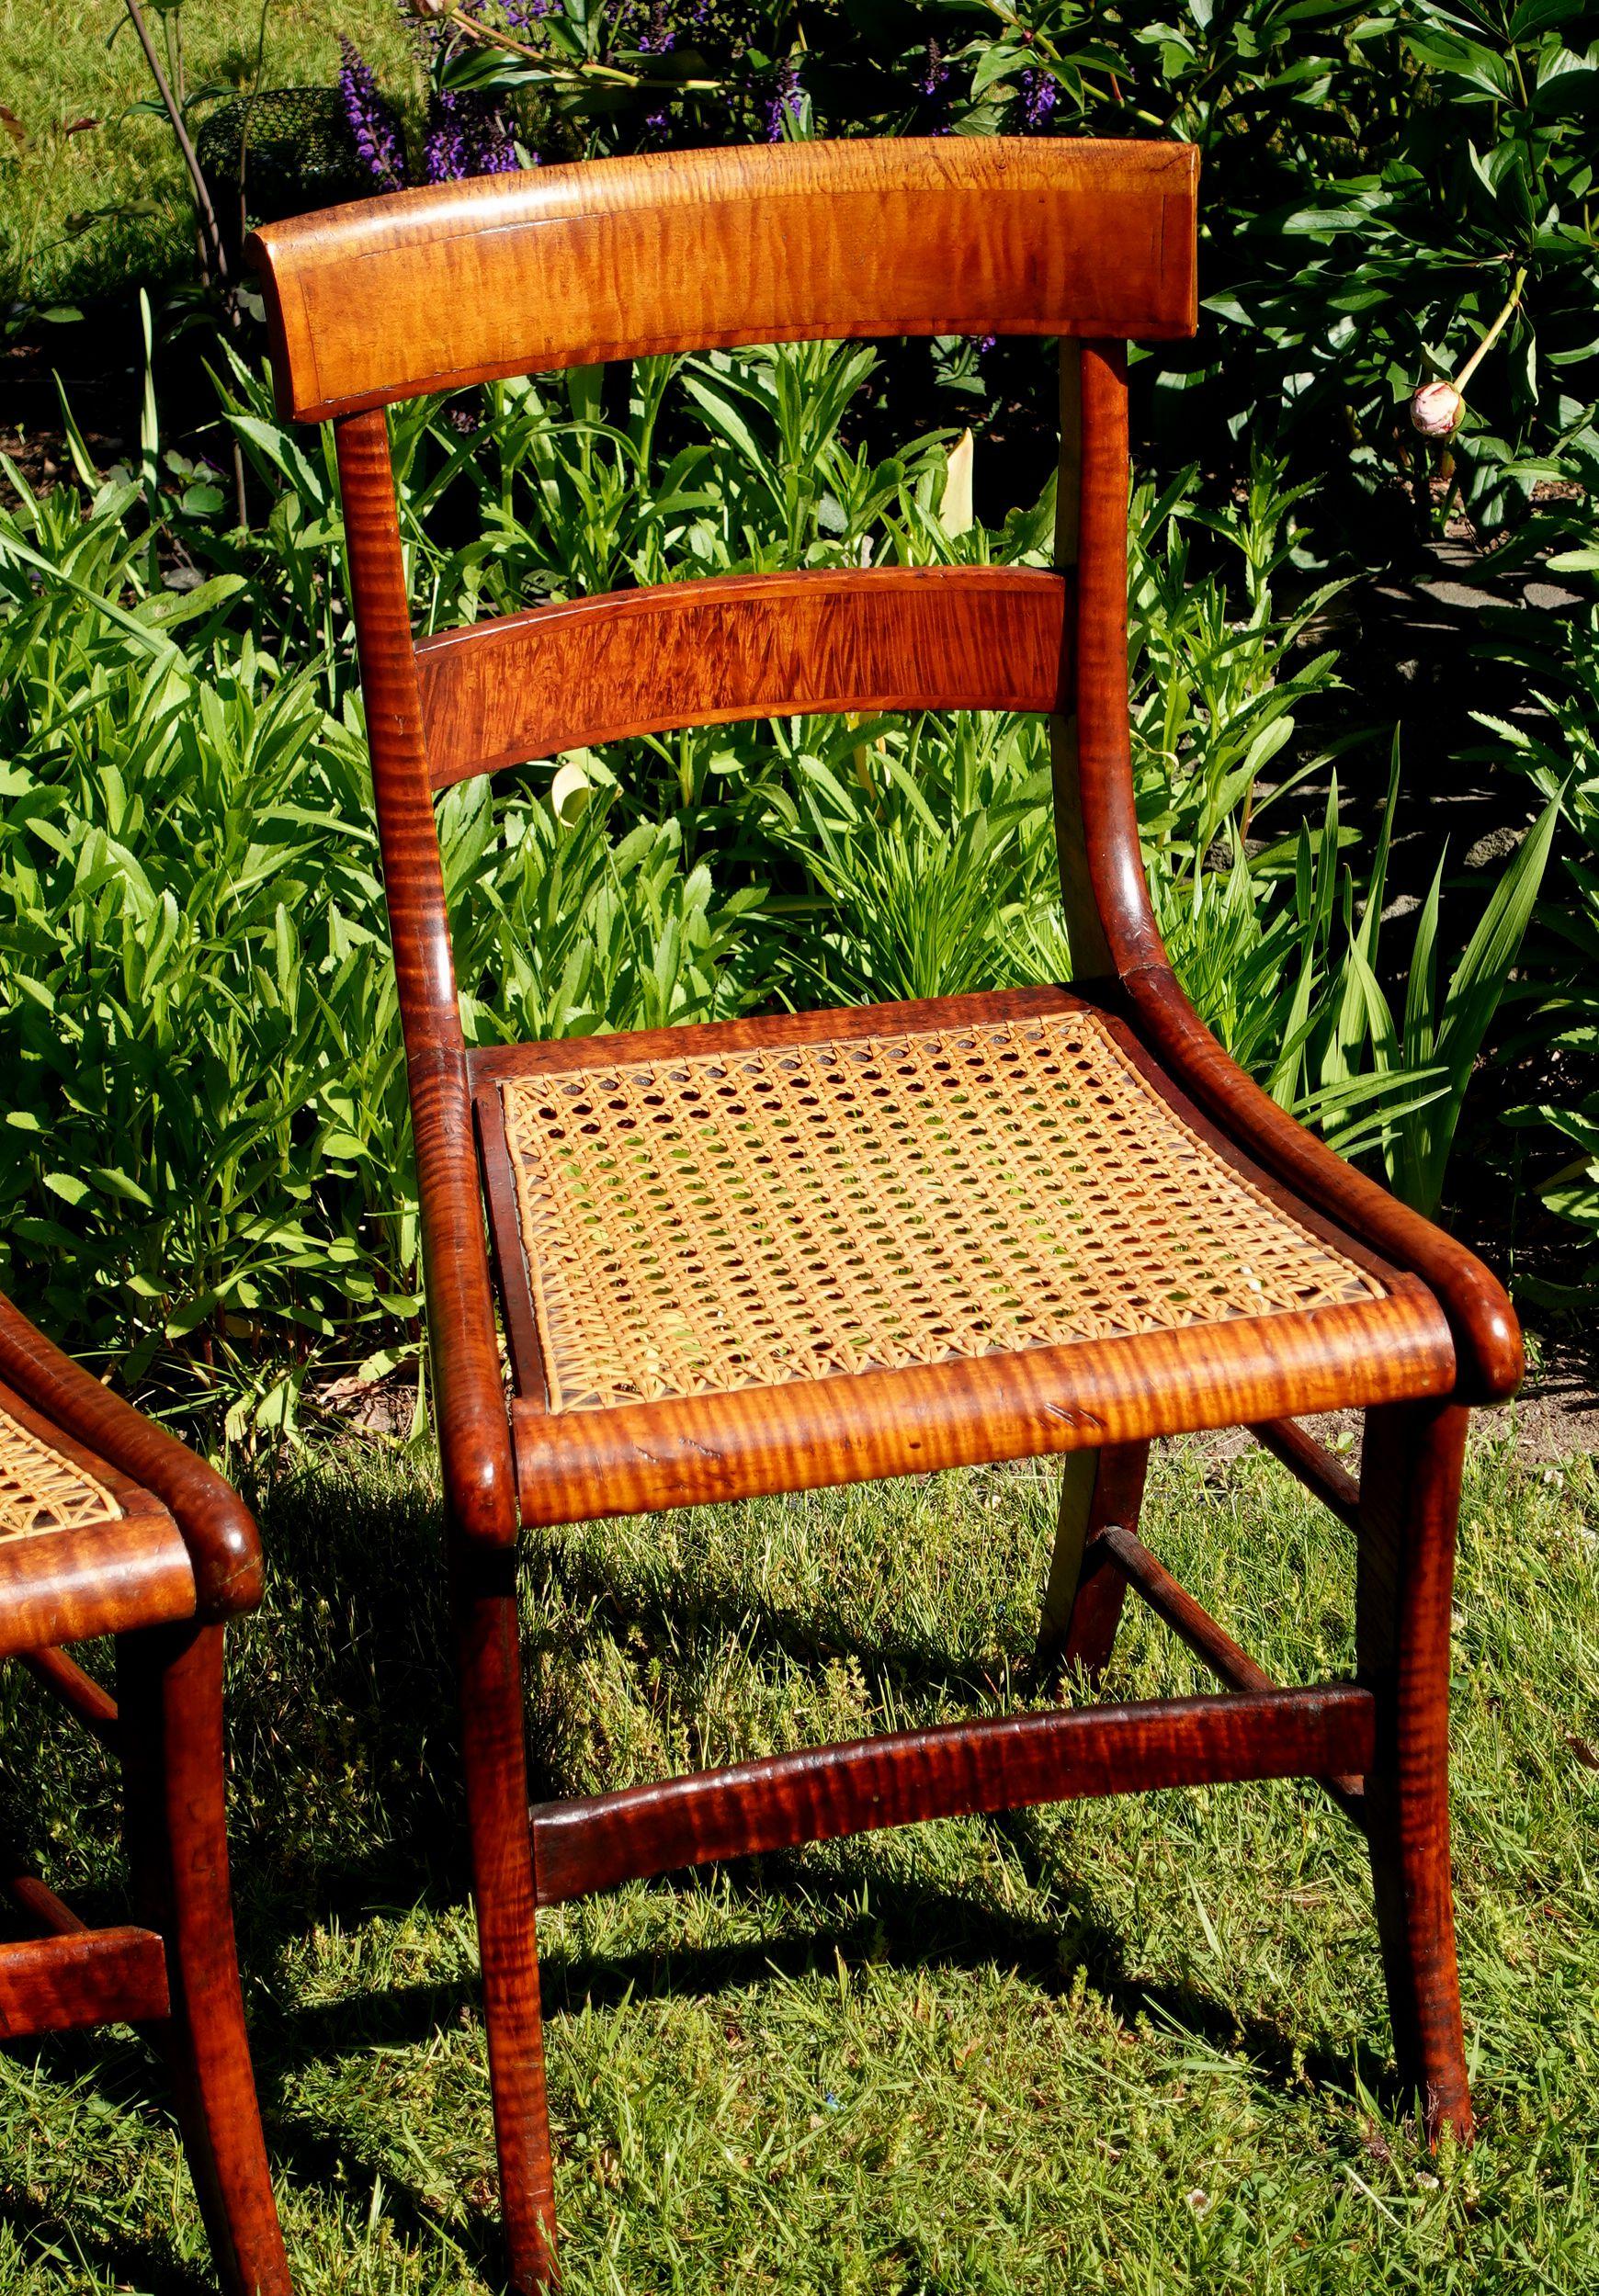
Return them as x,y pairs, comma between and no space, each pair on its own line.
43,1490
84,1550
788,1211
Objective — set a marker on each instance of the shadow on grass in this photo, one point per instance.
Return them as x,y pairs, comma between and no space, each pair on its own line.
912,1925
766,1629
358,1612
49,2236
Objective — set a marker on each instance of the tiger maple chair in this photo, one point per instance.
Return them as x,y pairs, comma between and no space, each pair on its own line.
109,1526
771,1255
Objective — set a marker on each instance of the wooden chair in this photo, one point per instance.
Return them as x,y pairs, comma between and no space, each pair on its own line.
814,1249
108,1526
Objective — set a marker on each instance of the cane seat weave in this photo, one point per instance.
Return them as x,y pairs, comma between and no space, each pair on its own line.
796,1211
39,1490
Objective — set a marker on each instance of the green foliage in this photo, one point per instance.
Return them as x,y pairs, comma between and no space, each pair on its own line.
1375,179
1560,1001
206,1154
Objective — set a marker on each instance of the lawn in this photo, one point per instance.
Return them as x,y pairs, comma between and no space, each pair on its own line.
1136,2046
86,208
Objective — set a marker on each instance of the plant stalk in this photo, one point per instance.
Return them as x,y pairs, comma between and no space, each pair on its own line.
1494,333
214,264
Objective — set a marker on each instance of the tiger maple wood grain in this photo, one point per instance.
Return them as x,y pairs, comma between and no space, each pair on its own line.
680,251
1091,242
741,646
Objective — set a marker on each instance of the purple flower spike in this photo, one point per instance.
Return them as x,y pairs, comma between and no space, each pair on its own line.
372,123
497,149
784,104
1040,96
466,138
443,155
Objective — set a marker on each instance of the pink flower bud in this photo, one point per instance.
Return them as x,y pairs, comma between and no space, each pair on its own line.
1436,409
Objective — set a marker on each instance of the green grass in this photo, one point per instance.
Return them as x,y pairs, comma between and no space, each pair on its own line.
82,214
1136,2046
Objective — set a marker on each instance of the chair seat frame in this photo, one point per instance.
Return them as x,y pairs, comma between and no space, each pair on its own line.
1092,243
171,1556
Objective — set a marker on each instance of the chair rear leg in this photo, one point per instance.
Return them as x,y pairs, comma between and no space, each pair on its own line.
170,1697
494,1758
1409,1495
1084,1594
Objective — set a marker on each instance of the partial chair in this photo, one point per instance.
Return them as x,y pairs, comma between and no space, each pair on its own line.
108,1526
817,1248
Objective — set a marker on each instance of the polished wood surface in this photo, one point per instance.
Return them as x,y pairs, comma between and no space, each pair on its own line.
142,1577
144,1461
682,251
1485,1333
580,1465
1121,1553
44,1910
953,1769
739,646
1316,1467
474,1439
1175,1607
1083,1601
691,1450
102,1578
88,1578
1083,242
93,1977
1099,782
470,1413
170,1697
1410,1499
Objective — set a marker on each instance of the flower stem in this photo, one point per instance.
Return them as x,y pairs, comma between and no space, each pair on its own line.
1494,333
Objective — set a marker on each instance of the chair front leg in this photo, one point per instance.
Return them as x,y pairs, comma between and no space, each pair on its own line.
170,1700
1084,1594
494,1758
1410,1496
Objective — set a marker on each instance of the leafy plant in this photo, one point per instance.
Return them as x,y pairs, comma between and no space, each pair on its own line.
208,1159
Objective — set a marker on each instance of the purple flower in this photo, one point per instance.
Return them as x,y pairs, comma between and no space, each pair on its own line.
497,149
784,104
656,119
936,71
662,35
443,155
372,123
1040,96
465,137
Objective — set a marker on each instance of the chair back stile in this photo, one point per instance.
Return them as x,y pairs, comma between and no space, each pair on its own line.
455,1250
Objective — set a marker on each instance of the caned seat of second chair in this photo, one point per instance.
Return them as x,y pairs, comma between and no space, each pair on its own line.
810,1249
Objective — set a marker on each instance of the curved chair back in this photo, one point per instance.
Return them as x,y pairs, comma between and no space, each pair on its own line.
434,289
